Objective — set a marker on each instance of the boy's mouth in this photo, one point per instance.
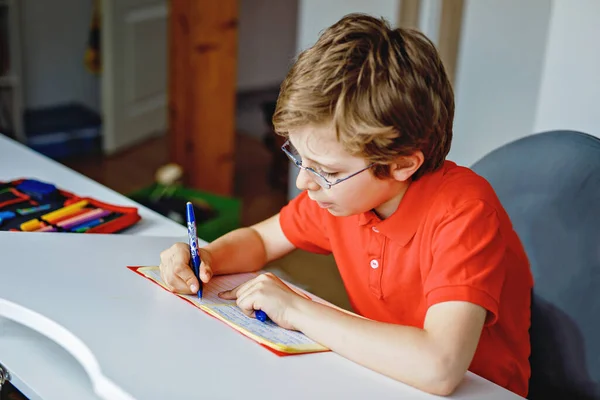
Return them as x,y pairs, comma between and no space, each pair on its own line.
324,205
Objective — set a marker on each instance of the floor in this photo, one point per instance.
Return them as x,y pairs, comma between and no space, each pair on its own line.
134,169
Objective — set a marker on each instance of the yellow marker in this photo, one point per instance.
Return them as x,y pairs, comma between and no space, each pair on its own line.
31,225
65,211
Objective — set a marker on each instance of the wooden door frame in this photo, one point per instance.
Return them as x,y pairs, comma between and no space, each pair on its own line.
202,87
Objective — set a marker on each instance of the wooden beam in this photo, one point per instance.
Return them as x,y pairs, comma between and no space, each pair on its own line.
179,68
449,34
202,84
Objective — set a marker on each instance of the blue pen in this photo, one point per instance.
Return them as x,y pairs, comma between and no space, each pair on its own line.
261,315
193,238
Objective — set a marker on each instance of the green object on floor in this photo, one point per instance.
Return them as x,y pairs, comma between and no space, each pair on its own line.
215,215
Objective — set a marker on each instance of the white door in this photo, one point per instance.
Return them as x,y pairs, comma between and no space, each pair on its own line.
134,71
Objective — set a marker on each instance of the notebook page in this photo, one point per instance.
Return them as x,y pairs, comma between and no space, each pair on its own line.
267,333
264,332
210,291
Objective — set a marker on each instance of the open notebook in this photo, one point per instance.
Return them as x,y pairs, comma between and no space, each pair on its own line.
275,338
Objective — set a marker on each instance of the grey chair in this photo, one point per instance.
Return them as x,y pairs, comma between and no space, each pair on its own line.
549,183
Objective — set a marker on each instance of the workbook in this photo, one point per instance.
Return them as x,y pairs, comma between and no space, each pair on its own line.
279,340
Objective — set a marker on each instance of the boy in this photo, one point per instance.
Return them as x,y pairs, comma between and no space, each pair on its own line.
426,251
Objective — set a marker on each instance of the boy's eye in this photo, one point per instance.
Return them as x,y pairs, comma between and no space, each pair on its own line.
327,174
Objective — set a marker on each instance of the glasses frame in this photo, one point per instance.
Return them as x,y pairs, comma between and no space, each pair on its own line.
319,179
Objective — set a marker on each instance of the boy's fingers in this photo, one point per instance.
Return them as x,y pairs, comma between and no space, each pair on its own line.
230,294
237,291
177,285
205,273
187,275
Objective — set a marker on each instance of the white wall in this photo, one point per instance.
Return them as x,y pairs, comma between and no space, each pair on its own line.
502,52
316,15
266,42
55,35
570,88
523,68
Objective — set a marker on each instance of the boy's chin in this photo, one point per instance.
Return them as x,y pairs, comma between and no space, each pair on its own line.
336,212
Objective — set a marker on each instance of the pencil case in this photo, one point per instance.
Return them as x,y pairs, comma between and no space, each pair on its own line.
31,205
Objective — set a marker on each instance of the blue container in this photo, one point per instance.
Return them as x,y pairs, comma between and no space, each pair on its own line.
64,131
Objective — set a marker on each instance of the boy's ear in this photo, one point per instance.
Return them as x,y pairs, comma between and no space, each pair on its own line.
404,168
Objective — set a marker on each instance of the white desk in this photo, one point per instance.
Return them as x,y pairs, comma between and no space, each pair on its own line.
18,161
147,341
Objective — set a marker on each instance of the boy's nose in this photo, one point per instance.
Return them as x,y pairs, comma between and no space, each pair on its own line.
305,182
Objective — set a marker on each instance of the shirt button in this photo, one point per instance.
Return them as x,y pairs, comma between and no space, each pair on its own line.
374,264
375,229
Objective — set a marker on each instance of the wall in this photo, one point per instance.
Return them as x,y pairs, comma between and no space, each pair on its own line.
502,52
266,42
266,48
316,15
525,67
570,87
55,35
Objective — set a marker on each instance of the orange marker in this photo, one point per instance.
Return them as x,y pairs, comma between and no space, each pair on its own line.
65,211
31,225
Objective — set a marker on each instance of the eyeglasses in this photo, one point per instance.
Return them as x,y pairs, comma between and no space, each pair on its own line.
293,155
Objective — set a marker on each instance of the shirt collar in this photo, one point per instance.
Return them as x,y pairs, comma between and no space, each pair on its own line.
402,225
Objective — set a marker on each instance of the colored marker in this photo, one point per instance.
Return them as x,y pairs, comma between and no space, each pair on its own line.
193,239
31,210
63,212
261,315
83,218
88,225
6,215
48,228
31,225
71,215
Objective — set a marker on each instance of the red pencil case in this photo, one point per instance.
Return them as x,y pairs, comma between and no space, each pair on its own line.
20,204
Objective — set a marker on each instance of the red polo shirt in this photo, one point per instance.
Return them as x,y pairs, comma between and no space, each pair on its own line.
449,240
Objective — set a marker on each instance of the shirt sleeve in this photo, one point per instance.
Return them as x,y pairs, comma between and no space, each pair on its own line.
469,255
302,222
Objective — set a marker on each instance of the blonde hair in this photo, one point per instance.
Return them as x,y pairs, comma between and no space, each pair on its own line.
385,91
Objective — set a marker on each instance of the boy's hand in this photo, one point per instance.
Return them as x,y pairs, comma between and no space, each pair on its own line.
268,293
176,270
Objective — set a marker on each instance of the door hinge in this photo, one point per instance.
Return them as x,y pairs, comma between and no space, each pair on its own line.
4,376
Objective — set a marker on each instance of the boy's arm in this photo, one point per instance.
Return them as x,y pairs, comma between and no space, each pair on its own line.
433,359
249,249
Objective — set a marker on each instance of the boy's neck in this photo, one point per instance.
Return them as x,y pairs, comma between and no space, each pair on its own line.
386,209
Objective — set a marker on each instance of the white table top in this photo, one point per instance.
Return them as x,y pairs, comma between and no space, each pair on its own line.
18,161
149,342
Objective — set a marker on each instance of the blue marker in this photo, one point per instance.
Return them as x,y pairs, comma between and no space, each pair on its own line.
193,239
261,315
6,215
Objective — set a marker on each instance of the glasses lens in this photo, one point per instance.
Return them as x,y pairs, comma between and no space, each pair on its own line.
319,179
